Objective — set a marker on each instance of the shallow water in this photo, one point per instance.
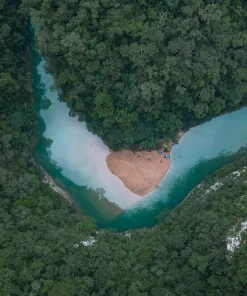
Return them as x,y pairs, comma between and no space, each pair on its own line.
79,153
75,158
201,151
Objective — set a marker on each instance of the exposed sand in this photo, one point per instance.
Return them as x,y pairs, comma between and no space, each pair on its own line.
80,154
140,171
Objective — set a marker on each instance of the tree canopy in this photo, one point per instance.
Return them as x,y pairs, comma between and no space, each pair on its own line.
140,71
42,240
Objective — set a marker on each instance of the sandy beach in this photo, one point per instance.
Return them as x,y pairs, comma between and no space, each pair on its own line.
141,171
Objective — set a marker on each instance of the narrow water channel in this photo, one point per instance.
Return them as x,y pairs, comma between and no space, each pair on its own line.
75,158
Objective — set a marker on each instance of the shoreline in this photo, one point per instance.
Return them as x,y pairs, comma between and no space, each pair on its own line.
47,178
52,183
141,171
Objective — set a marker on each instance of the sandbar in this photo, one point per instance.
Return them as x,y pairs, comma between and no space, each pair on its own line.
141,171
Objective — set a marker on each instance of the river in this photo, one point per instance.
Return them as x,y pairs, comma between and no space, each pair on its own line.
75,158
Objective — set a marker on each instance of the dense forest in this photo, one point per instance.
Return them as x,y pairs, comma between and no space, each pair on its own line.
139,71
34,220
41,237
186,254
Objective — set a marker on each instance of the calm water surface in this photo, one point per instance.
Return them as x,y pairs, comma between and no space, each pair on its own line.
75,158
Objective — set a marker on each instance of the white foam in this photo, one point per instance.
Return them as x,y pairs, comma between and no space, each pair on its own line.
236,173
89,242
233,242
214,187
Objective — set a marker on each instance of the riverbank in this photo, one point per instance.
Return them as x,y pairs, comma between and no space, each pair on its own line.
142,171
47,178
51,182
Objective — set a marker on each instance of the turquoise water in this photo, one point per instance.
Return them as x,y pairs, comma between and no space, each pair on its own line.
201,151
75,158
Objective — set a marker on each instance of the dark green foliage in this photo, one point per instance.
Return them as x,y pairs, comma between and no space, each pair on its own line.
40,235
36,225
138,71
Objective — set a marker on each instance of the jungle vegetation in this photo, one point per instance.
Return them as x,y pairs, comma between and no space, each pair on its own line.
139,71
40,234
186,254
